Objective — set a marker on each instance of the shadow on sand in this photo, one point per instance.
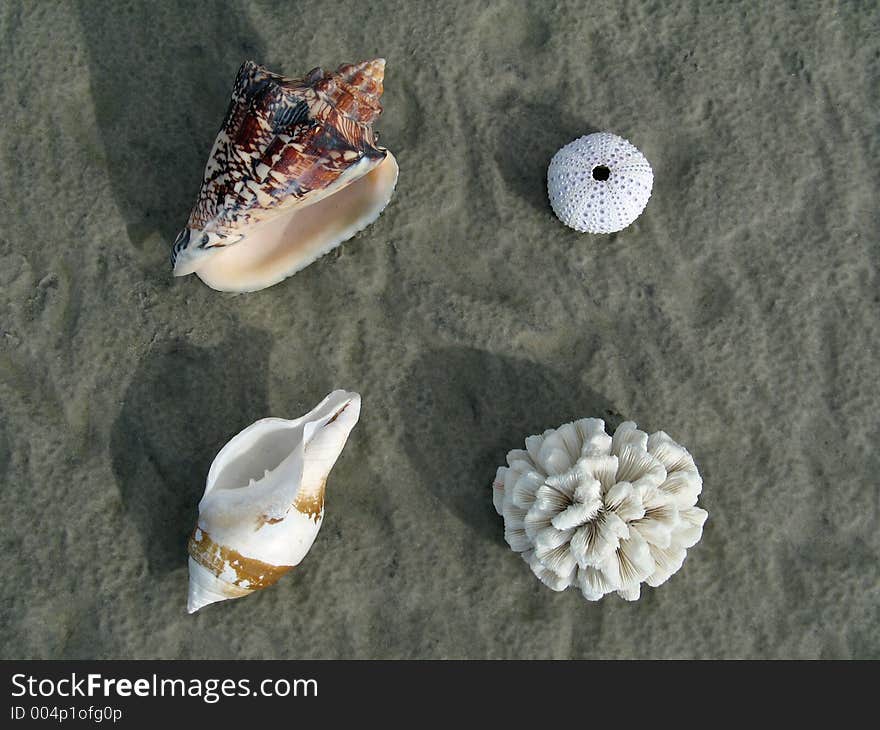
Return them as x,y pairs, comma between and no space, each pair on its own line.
470,407
527,139
161,74
183,403
5,450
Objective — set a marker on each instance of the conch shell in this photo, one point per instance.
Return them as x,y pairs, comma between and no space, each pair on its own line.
264,500
295,170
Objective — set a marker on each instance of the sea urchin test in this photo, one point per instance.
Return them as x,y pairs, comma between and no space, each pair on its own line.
295,170
599,183
599,512
264,500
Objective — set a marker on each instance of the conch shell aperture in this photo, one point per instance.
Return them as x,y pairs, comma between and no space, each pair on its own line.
295,170
264,500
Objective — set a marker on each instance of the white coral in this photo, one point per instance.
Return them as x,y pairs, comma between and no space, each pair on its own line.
602,513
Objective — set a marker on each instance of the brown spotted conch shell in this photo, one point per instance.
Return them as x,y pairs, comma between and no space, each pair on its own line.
264,500
295,170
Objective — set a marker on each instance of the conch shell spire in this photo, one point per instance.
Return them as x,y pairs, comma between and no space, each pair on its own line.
264,500
367,76
363,83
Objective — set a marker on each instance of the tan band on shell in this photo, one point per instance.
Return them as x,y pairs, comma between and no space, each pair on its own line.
250,574
311,504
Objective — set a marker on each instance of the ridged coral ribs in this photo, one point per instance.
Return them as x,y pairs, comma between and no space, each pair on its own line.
602,513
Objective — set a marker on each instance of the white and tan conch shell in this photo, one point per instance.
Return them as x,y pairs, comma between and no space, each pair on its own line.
264,500
601,513
600,183
295,170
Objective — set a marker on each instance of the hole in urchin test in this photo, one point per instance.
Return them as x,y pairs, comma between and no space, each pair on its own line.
601,173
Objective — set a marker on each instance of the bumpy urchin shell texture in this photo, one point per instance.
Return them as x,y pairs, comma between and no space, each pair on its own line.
599,183
605,514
